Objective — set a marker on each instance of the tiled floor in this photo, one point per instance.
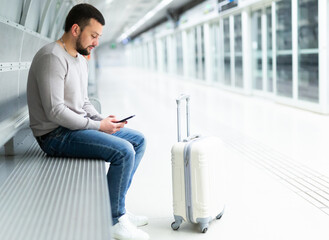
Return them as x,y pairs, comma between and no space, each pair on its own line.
276,157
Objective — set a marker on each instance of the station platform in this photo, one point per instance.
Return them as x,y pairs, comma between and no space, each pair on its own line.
277,170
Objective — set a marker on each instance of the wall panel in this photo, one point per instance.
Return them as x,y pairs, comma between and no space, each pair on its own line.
8,94
34,14
22,101
31,44
10,38
12,9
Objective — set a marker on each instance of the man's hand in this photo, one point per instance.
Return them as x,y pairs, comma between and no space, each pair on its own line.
110,126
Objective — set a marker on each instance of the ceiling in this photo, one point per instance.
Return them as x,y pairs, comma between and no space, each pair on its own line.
120,15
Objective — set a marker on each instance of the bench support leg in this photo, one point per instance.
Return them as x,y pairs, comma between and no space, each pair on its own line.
9,148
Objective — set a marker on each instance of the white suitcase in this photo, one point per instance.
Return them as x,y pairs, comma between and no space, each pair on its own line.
197,181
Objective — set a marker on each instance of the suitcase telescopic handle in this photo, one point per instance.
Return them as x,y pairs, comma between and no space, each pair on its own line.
178,101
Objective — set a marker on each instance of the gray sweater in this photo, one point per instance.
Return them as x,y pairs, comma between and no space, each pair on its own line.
57,92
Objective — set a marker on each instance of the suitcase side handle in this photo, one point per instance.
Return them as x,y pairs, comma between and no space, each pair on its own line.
178,101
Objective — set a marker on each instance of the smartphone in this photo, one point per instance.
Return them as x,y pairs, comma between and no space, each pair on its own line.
125,119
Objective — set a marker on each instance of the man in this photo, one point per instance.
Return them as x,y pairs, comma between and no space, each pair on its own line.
66,124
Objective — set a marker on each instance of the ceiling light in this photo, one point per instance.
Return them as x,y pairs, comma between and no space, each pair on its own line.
147,17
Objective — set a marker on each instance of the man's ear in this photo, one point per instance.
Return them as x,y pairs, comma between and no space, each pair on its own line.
75,30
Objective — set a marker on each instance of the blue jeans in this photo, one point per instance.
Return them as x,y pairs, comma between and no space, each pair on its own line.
123,149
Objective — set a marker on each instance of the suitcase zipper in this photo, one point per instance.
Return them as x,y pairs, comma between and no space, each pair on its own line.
187,174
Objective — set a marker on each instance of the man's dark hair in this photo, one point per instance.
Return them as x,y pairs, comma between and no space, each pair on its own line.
81,14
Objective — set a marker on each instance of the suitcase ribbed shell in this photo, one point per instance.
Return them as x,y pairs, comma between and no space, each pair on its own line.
198,180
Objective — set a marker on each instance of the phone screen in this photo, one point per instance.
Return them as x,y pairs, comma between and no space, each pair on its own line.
125,119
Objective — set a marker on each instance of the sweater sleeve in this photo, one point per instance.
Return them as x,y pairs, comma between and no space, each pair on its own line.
50,80
91,111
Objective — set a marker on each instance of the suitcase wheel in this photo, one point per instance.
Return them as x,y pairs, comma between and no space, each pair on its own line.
204,230
175,226
204,227
219,216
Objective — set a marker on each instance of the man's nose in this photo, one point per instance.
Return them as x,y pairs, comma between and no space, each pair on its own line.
95,42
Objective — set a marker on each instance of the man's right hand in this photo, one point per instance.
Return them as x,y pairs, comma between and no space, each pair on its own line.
110,126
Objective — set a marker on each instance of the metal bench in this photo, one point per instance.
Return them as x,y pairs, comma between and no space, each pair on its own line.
45,198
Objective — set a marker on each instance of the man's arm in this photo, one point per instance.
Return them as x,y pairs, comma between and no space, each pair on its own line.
91,111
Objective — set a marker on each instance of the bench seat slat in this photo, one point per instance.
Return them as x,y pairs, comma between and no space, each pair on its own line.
55,198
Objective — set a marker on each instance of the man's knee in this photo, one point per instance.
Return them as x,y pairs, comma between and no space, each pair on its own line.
128,151
141,140
124,153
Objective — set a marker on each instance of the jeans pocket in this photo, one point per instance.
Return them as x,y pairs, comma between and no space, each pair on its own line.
58,132
49,142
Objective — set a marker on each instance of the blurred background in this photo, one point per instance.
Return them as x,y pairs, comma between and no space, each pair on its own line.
257,73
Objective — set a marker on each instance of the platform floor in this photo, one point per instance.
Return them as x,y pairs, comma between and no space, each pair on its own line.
277,170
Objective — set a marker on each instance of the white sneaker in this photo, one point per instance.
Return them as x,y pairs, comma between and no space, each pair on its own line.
138,221
125,230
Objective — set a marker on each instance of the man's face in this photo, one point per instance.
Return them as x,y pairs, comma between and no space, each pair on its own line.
88,38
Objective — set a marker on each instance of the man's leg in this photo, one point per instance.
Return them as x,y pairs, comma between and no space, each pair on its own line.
138,141
119,152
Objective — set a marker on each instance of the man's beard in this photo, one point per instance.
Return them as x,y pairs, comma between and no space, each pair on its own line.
80,49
